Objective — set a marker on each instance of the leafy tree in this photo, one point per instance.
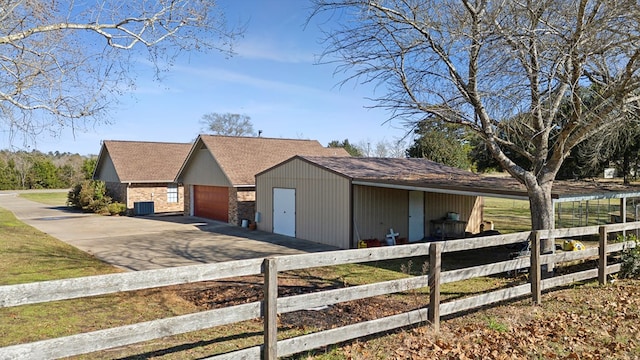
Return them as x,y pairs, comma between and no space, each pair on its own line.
228,124
588,159
12,178
480,156
21,170
351,149
88,167
479,63
440,142
65,62
43,175
629,152
66,175
7,176
621,149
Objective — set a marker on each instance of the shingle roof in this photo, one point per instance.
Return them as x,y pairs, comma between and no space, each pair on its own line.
241,158
429,174
141,161
389,168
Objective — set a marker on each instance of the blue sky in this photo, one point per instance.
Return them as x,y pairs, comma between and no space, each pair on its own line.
274,79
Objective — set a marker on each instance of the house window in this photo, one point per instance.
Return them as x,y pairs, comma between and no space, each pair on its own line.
172,193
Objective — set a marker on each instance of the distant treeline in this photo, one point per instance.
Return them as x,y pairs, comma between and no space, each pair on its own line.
36,170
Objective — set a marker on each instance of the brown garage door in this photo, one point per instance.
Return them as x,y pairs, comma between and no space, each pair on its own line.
211,202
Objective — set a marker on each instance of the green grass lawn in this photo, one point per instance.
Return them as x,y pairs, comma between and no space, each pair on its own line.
28,255
508,216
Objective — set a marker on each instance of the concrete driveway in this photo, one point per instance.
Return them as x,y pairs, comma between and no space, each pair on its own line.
152,242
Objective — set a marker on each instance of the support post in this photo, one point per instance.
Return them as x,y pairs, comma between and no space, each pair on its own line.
435,262
534,272
270,309
602,253
623,214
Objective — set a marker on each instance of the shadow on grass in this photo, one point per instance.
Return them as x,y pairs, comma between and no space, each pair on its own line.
189,346
450,261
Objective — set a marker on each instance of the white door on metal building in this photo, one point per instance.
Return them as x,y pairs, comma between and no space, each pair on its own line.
284,211
416,215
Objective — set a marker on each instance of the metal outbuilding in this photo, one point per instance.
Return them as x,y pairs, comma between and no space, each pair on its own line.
340,201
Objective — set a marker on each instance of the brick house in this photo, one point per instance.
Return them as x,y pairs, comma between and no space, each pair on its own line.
139,172
219,172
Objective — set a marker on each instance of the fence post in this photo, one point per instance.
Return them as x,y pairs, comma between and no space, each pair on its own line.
270,309
602,252
535,272
435,261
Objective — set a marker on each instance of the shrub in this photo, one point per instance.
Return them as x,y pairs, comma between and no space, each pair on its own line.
89,196
630,267
117,208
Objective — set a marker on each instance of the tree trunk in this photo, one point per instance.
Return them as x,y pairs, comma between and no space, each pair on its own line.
626,167
541,208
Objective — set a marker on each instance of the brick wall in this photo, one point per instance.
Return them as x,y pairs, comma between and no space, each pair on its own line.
156,193
246,210
233,206
246,204
186,210
242,205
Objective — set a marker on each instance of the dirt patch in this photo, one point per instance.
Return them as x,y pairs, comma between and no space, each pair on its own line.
582,322
242,290
219,294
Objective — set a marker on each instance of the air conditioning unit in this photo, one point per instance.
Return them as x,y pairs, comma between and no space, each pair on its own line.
143,208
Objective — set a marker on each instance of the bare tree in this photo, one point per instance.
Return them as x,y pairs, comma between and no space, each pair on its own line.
481,63
397,149
382,148
63,62
228,124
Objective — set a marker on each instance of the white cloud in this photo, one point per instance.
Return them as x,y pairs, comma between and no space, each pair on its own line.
280,52
222,75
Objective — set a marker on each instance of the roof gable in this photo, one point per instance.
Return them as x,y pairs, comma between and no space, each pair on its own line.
241,158
143,162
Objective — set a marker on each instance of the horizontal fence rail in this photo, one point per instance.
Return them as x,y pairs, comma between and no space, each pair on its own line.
272,305
38,292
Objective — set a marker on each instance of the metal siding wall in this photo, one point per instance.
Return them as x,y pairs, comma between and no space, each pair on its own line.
204,170
375,210
107,172
437,206
324,207
264,202
322,202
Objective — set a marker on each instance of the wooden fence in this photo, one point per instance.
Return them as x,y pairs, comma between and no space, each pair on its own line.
41,292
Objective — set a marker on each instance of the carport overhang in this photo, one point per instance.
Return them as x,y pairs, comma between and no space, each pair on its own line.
565,191
443,189
508,188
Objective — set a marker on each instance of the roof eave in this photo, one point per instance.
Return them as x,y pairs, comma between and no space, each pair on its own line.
444,189
598,196
172,181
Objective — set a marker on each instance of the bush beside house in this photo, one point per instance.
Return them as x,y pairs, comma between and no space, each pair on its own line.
91,196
